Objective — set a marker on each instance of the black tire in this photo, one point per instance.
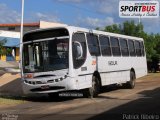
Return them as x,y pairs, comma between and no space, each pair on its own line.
53,96
95,89
131,83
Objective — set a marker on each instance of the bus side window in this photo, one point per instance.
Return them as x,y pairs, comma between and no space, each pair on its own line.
93,44
124,47
79,37
138,48
115,46
142,49
105,45
131,48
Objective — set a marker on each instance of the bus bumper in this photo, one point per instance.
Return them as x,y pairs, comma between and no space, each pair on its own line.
67,84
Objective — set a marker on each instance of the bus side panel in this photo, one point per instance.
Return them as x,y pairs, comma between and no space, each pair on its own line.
114,69
85,73
117,69
139,64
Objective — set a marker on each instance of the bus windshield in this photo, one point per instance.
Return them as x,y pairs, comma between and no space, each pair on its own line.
48,55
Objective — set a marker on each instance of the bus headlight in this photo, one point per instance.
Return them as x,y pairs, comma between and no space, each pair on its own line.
28,76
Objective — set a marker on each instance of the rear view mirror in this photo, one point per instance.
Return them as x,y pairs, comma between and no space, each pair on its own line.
78,52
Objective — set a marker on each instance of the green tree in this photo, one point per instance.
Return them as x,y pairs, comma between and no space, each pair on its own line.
113,28
152,41
3,50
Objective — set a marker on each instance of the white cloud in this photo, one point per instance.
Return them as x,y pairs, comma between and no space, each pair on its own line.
107,6
44,16
102,6
8,15
151,25
74,1
95,22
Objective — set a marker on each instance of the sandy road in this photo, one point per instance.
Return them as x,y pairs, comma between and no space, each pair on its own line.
112,103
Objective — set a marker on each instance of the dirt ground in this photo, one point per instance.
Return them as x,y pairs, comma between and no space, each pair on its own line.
113,101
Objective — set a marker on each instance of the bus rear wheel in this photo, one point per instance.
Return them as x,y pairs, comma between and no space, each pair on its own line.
131,83
95,89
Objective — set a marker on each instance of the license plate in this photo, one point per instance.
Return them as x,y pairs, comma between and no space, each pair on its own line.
45,87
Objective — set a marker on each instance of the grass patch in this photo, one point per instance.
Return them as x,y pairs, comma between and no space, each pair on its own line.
154,74
1,68
11,100
150,76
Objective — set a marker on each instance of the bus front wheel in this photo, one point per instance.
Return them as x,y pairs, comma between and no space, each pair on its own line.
53,96
94,90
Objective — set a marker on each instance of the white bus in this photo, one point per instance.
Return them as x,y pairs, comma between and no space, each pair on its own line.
72,58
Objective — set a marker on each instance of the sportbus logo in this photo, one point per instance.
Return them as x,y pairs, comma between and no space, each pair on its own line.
136,9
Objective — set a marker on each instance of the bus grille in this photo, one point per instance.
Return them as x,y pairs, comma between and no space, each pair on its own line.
50,88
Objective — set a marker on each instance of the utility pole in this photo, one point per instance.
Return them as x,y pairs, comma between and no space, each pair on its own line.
21,37
139,23
139,19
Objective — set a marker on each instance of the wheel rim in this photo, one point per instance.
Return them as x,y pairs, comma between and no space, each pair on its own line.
133,80
93,89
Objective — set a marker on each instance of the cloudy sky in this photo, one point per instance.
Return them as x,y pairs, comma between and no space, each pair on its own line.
84,13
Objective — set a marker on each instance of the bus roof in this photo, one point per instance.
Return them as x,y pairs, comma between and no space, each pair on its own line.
80,29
